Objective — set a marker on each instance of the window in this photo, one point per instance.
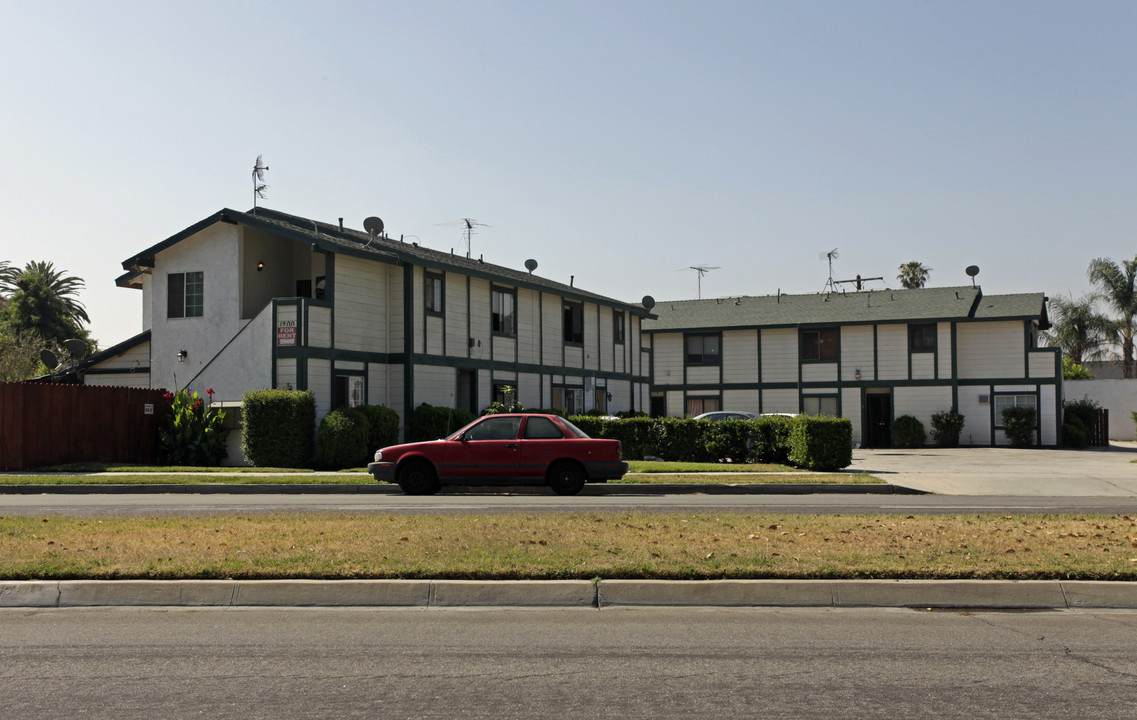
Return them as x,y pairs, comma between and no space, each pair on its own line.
571,400
819,345
185,294
574,322
349,391
433,287
698,406
504,309
922,338
703,350
618,326
495,428
819,405
539,428
1002,402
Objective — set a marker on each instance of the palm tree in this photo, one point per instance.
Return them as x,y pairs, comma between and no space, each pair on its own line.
1079,329
64,287
1118,286
913,274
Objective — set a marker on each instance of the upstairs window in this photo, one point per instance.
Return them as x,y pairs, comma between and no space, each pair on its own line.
433,287
504,311
819,345
185,294
819,405
574,322
703,350
618,327
922,338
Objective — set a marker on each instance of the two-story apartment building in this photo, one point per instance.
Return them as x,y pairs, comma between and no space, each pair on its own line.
870,356
248,300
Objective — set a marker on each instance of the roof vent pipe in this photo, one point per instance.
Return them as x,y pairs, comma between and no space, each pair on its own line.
341,224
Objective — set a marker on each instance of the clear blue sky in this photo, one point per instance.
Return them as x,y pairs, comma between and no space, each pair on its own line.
615,141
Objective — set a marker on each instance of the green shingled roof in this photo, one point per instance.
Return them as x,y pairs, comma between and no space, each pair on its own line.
866,306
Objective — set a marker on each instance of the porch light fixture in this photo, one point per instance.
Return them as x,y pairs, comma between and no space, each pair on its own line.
182,355
260,266
857,374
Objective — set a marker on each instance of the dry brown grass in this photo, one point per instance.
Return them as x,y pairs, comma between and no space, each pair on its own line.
607,545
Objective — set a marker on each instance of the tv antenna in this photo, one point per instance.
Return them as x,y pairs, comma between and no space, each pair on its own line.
259,186
467,225
859,282
701,270
831,255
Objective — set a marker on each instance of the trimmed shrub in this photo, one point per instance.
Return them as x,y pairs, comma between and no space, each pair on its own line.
1075,434
431,423
278,427
1018,424
382,426
772,439
907,432
341,441
732,440
821,443
946,427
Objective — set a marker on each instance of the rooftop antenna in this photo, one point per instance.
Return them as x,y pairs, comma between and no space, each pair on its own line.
702,270
259,186
467,225
858,281
832,255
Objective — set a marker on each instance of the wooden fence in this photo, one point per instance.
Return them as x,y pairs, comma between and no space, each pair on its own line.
50,424
1099,431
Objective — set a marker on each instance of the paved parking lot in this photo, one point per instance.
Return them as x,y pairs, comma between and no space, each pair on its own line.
1007,471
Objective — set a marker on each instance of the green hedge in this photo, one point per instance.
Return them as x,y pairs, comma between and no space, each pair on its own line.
1019,424
431,423
821,443
278,427
762,440
907,432
382,426
341,441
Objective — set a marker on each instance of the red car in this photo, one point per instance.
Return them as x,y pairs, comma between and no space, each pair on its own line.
513,449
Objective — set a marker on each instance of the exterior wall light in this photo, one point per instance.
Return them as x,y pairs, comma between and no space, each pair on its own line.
182,355
857,374
260,266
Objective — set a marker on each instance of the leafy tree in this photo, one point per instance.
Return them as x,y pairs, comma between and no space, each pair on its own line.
913,274
1118,286
35,308
1073,371
19,356
1079,329
65,287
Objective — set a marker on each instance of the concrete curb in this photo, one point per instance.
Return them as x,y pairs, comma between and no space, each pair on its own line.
961,594
384,489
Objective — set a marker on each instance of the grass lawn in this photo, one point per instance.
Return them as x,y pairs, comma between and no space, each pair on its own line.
584,545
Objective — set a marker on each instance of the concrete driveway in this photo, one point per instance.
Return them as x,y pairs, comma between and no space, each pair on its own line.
1007,471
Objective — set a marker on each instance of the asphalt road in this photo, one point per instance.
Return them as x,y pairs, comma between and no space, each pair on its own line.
515,663
461,503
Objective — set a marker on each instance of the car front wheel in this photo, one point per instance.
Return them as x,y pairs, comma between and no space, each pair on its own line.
566,478
418,478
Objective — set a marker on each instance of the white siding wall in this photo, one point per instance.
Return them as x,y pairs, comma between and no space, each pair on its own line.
124,379
384,385
528,326
703,375
319,326
362,305
739,356
976,415
551,329
320,383
943,346
434,335
286,373
1042,365
529,390
920,403
676,407
819,372
923,366
856,352
435,385
668,359
244,364
851,408
780,356
454,293
1048,414
780,401
480,322
746,400
990,349
892,346
591,358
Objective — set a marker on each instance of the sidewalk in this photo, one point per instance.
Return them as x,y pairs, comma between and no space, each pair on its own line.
1007,471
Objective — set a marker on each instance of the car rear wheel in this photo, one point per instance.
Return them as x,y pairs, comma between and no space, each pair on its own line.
566,478
418,478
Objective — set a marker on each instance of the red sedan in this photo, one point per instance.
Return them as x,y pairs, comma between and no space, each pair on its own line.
514,449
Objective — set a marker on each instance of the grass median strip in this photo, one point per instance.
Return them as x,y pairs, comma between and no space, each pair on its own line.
586,545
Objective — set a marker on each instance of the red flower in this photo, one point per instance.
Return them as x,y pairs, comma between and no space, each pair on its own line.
209,392
168,395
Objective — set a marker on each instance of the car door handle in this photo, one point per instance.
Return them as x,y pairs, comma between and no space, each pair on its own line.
511,446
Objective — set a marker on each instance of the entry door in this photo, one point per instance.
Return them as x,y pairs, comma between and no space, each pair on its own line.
467,391
878,418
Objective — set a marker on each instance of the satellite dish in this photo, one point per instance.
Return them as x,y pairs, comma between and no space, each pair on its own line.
75,347
648,302
48,358
373,225
530,265
972,271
